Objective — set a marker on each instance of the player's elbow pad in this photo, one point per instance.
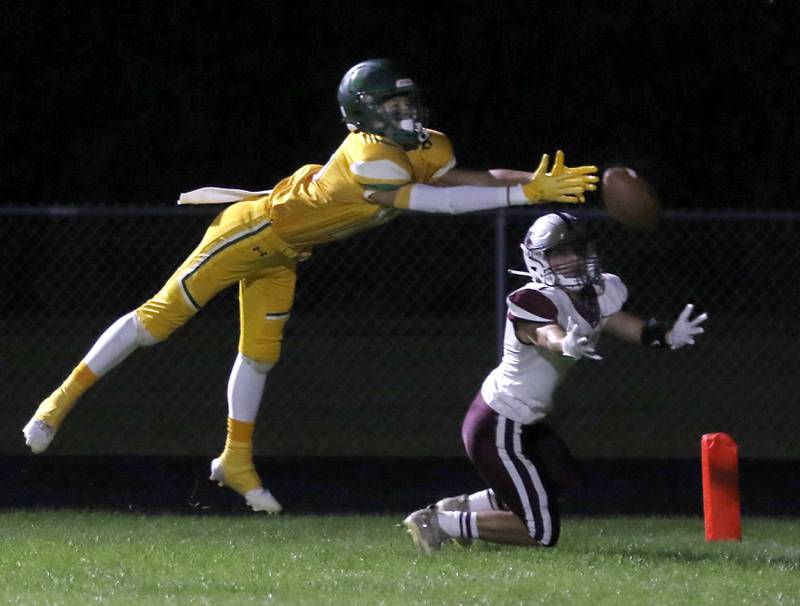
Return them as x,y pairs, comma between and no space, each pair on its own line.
454,200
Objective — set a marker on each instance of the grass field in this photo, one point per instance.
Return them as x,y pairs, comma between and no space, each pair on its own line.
115,558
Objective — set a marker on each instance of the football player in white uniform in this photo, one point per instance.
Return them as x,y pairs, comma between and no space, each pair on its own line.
552,322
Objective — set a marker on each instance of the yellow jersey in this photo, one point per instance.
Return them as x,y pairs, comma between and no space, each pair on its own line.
320,204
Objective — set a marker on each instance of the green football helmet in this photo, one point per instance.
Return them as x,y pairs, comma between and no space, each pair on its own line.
364,89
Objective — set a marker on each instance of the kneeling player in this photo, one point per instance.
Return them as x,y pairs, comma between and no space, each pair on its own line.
552,322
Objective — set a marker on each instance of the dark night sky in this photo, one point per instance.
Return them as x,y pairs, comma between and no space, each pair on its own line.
130,104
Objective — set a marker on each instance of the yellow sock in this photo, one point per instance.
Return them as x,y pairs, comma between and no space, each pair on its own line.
237,458
57,405
240,435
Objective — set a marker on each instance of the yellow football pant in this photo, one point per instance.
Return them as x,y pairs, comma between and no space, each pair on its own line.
240,246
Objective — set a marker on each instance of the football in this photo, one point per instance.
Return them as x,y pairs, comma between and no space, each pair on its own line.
629,198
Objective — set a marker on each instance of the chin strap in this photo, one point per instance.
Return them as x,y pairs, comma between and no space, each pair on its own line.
419,136
423,136
516,272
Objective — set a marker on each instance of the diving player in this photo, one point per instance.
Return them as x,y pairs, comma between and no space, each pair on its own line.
389,162
552,322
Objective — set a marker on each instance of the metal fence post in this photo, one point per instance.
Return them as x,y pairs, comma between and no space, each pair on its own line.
500,282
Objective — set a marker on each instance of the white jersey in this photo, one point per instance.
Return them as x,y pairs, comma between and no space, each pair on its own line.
521,387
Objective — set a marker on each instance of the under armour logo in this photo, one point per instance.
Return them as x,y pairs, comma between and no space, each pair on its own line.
261,253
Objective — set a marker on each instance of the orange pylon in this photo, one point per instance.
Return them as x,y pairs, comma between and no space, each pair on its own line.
721,508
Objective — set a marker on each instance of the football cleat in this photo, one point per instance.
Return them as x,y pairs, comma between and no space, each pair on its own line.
38,435
459,503
423,526
259,499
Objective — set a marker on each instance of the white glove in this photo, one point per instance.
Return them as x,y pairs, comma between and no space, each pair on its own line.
574,346
683,331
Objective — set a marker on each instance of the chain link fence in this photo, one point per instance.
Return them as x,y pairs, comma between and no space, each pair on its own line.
392,334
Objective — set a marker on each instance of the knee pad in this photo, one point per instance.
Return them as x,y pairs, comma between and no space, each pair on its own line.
143,337
164,313
261,368
263,350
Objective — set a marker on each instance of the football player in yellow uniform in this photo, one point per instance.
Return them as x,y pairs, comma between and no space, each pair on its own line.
389,162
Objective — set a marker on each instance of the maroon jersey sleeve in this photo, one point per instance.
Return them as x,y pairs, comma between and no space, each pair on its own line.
531,305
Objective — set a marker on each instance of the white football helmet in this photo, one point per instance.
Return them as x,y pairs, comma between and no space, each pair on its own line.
564,232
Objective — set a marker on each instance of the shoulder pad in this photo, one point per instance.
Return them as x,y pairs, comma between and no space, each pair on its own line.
531,303
376,163
438,154
614,295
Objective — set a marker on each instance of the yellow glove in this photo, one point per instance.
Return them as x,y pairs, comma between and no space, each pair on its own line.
562,183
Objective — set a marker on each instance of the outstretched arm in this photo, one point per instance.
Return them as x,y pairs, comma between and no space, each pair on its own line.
651,333
496,177
460,191
625,326
553,337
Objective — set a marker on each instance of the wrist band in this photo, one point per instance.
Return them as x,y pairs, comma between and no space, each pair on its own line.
654,334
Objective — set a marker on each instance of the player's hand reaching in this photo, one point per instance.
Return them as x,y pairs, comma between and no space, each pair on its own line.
575,346
562,183
684,330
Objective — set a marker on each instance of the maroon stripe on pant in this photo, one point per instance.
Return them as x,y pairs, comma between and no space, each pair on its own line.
464,525
479,433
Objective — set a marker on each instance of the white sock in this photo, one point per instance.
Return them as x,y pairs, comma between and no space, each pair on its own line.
459,524
118,341
246,387
485,500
